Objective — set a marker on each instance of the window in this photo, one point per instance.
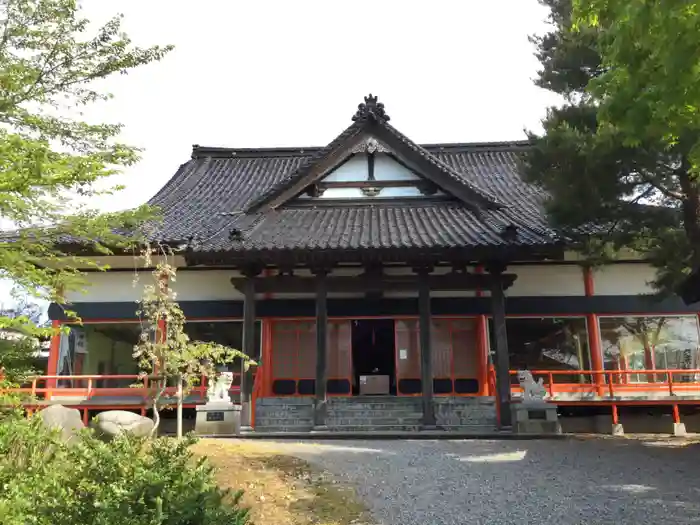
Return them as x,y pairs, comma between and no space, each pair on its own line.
226,333
647,343
548,343
99,349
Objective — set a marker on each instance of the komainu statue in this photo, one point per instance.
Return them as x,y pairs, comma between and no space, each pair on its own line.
532,391
218,389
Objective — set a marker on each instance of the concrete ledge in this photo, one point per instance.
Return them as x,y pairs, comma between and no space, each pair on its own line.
412,435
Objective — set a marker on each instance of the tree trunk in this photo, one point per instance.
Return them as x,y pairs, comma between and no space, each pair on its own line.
156,412
690,184
179,407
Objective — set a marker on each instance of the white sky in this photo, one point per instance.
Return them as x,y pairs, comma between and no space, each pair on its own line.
282,73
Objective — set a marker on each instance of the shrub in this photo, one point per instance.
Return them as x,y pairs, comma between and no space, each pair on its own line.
128,481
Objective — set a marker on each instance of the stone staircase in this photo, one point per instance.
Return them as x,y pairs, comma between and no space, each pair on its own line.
376,414
284,414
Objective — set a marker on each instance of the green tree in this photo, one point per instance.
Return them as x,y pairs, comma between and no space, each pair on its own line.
51,158
165,352
618,156
19,351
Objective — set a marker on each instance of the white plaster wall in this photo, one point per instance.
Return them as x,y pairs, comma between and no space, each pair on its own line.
214,285
103,287
206,285
546,280
384,169
623,279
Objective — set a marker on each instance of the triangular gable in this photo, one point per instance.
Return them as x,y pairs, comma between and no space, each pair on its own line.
370,134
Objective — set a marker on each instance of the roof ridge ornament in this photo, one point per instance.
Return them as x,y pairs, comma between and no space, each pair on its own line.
370,107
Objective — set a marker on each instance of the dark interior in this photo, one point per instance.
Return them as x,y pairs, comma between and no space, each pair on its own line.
373,351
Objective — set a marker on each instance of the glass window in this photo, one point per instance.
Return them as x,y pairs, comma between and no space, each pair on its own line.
227,333
650,342
548,343
98,349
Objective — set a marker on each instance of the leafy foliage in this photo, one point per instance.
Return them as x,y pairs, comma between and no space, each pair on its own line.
127,481
52,161
168,351
620,173
18,347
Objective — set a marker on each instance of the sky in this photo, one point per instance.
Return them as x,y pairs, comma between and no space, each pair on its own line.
280,73
270,73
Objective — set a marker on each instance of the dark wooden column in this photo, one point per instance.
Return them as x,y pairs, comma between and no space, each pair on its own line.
249,348
502,360
426,354
320,404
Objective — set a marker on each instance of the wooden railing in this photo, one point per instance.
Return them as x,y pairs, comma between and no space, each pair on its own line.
48,387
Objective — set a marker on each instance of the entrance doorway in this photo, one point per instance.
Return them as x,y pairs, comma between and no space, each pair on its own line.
373,344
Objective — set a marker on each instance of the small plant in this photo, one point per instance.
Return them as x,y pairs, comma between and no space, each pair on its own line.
128,481
164,351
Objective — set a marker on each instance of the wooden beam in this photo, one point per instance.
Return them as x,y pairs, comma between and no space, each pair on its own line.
373,183
320,405
426,355
502,361
249,349
281,284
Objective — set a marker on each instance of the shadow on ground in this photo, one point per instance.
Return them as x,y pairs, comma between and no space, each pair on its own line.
578,480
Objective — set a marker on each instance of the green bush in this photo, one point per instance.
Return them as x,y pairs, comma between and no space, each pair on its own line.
128,481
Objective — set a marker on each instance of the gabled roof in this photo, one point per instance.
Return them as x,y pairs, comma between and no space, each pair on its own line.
371,120
230,202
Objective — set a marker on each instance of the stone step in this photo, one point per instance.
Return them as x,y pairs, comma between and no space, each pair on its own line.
260,428
376,408
282,421
374,428
280,412
277,401
374,421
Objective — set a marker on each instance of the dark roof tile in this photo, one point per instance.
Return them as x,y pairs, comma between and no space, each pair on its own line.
236,201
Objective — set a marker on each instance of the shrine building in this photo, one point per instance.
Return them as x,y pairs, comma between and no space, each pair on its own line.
378,270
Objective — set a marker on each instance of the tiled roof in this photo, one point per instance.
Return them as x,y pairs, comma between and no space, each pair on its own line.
475,195
206,201
238,201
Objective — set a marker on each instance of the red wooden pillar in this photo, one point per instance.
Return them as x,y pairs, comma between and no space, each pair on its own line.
594,345
54,350
482,346
266,358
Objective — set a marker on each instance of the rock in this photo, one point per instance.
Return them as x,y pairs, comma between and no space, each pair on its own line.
65,419
111,423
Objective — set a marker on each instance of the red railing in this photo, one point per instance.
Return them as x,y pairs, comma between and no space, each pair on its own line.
45,388
616,383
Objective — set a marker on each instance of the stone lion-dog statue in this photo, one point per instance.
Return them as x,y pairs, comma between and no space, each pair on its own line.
218,390
532,390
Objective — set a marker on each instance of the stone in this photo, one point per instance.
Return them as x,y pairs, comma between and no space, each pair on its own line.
679,429
618,429
66,420
532,390
112,423
218,419
218,390
535,417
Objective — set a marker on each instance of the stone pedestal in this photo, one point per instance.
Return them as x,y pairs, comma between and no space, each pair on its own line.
218,419
679,429
535,417
617,429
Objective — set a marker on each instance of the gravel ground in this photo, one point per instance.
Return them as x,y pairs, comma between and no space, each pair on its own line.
564,482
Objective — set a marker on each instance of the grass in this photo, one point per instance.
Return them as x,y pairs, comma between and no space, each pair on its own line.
280,489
